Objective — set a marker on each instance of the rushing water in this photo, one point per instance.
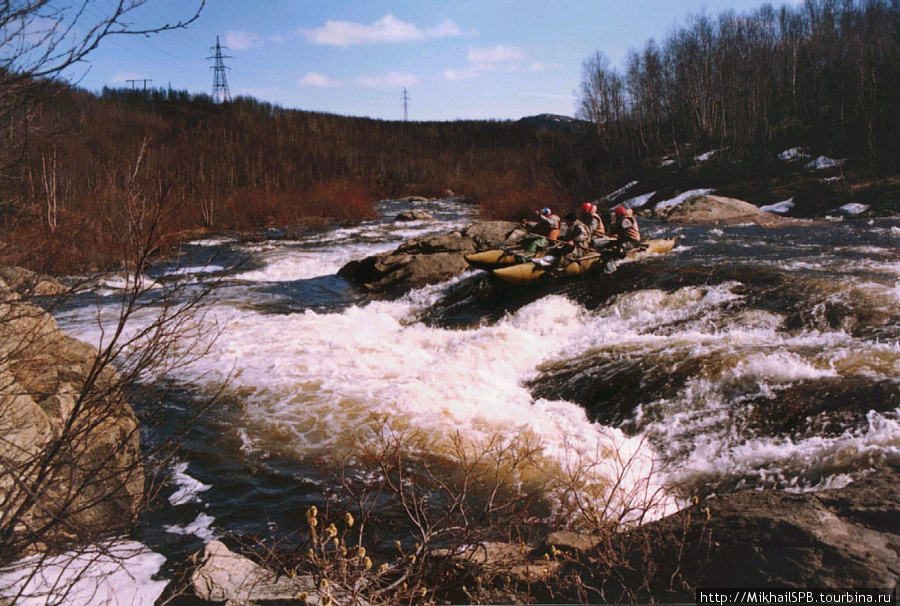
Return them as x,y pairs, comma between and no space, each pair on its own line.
746,358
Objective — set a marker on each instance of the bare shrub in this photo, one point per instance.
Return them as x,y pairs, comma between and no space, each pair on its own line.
463,526
72,471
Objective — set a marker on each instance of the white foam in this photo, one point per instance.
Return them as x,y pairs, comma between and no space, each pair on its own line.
195,270
189,488
811,463
201,528
314,382
212,242
120,572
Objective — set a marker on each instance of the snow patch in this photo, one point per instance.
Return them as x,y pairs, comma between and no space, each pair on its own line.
780,207
684,196
795,154
852,209
823,162
120,572
638,201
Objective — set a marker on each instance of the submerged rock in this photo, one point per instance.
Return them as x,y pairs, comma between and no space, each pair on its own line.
427,260
414,215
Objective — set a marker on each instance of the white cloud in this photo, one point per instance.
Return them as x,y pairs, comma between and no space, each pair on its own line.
387,29
497,55
457,75
393,79
241,41
318,80
447,29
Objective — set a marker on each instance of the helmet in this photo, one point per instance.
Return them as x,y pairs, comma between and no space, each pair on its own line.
619,211
545,211
587,208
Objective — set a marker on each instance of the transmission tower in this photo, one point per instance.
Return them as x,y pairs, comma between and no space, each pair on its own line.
405,99
220,82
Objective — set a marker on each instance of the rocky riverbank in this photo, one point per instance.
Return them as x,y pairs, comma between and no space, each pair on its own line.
833,539
69,441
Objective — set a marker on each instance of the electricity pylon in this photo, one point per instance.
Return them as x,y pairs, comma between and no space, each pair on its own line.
405,99
220,82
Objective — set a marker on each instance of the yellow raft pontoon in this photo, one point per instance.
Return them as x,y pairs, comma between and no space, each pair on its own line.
530,272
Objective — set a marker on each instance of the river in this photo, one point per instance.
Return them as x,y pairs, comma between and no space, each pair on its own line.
747,358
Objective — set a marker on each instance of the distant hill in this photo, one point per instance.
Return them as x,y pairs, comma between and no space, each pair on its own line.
553,122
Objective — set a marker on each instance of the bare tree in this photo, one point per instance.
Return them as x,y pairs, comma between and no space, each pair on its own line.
41,39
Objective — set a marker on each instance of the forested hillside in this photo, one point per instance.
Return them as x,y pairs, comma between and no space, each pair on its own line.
246,165
824,74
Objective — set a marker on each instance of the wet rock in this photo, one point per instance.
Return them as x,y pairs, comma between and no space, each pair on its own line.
414,215
506,561
221,575
414,199
26,282
224,576
92,482
718,210
842,538
427,260
568,541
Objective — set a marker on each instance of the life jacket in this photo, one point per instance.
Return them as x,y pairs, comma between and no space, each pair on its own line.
546,224
598,230
627,229
579,234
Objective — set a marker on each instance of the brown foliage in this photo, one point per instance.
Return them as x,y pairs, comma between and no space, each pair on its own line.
510,197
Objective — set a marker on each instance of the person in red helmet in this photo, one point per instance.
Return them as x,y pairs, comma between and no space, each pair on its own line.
590,217
626,229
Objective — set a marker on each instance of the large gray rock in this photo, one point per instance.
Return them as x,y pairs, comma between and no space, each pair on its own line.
836,539
718,210
72,467
224,576
26,282
427,260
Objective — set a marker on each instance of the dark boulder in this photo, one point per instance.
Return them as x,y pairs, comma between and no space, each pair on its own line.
428,259
842,538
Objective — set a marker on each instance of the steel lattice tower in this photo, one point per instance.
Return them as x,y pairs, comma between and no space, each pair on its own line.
220,82
405,99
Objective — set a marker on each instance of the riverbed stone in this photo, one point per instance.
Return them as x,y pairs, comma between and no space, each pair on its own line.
427,259
26,282
92,482
719,210
414,215
222,575
837,539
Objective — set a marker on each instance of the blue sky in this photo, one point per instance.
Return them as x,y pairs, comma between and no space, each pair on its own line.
459,59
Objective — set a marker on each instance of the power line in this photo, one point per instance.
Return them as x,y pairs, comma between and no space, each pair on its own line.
144,80
220,82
